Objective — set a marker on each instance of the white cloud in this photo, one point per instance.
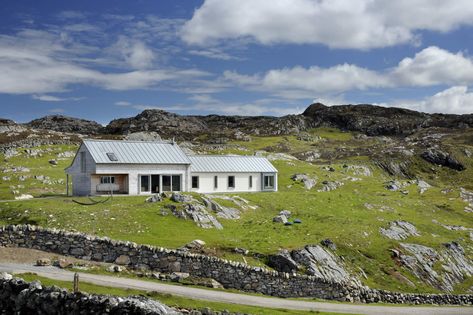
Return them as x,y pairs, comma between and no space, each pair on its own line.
204,103
430,67
38,62
123,103
52,98
454,100
135,53
213,53
359,24
433,66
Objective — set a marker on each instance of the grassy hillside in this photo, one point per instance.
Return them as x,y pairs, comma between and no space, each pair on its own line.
350,216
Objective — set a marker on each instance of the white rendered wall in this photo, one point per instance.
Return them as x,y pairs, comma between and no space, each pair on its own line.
206,182
81,180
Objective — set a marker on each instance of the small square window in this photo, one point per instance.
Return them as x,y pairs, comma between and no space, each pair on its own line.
195,181
231,181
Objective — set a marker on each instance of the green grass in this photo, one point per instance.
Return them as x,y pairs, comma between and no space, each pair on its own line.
168,299
340,215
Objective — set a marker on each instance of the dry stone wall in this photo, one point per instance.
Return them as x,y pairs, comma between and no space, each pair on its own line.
230,274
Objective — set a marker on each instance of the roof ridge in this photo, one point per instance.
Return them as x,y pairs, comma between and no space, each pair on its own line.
135,141
226,155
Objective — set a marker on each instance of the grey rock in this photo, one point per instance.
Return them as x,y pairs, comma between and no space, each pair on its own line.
330,185
123,260
154,198
143,136
399,230
280,219
52,162
305,179
321,263
178,197
439,157
283,262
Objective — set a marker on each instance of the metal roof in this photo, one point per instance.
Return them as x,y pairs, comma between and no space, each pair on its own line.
136,152
230,164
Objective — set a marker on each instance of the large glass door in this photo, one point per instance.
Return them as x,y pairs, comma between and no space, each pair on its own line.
144,183
155,183
166,182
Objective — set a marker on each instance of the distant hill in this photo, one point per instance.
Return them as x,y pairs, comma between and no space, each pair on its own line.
369,119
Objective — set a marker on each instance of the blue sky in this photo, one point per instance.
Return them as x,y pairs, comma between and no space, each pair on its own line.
102,60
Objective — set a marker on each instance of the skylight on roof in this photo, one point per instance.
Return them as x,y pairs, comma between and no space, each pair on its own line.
112,156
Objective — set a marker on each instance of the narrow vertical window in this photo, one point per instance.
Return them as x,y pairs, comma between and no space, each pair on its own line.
231,181
82,162
195,181
250,181
215,182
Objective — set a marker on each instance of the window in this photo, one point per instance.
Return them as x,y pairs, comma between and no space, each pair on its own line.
144,183
231,181
107,180
215,182
176,182
195,181
268,181
250,181
82,162
112,156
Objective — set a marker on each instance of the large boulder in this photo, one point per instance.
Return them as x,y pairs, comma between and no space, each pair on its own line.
439,157
283,262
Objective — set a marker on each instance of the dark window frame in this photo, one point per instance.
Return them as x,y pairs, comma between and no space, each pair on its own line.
271,183
112,157
215,182
231,181
250,181
197,180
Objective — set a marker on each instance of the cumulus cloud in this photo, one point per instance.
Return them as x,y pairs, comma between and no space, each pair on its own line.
430,67
433,66
359,24
454,100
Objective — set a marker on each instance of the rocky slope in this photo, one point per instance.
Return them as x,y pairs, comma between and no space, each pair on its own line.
368,119
66,124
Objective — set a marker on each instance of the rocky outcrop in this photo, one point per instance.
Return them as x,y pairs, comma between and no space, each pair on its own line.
8,125
377,120
399,230
66,124
455,267
395,168
143,136
439,157
187,127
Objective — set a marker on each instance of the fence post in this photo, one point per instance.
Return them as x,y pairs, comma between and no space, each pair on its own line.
76,282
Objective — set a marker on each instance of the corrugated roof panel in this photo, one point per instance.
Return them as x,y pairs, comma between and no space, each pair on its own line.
230,163
136,152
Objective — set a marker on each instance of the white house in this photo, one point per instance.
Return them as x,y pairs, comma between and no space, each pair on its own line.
146,167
